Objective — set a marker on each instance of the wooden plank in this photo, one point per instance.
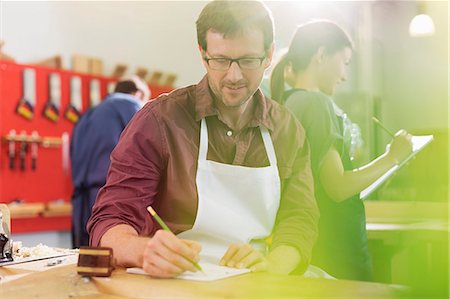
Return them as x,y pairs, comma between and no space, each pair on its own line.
405,211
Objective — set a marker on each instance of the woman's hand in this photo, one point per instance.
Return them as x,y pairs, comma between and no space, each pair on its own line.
400,147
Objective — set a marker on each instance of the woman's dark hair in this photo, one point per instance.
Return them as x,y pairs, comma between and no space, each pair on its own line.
232,17
308,38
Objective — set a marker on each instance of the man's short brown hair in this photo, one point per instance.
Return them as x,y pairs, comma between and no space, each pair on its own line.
233,17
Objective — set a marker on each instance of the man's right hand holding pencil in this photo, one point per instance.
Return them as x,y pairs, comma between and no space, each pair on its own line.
166,255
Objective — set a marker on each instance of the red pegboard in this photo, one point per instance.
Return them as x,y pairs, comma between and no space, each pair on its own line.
48,182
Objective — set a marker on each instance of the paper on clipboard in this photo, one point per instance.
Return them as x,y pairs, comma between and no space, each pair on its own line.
210,272
418,142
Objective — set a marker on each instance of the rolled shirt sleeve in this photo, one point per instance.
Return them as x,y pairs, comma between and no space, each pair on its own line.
298,215
133,179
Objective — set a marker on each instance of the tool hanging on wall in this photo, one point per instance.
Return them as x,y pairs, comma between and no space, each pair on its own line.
12,149
73,111
94,92
51,110
25,107
23,150
34,149
44,141
65,150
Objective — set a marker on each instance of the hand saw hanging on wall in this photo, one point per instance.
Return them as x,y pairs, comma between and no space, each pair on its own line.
51,110
25,108
73,111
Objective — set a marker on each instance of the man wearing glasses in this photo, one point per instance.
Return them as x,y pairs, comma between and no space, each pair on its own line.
222,165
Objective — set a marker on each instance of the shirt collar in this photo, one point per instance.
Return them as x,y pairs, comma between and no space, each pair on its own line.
204,105
128,97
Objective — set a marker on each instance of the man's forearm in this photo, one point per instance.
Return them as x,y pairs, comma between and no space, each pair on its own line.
283,259
128,247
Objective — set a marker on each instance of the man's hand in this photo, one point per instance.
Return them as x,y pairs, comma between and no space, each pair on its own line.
167,256
282,260
243,256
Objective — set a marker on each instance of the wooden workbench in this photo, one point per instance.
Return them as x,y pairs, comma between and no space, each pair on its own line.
63,282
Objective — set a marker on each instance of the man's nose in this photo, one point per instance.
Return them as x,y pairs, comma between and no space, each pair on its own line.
234,73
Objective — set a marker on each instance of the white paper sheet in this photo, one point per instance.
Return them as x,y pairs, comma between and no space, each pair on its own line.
210,272
419,142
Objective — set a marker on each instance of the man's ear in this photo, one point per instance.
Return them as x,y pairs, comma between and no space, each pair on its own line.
269,56
139,94
202,54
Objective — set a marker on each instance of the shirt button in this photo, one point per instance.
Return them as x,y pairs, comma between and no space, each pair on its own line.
229,133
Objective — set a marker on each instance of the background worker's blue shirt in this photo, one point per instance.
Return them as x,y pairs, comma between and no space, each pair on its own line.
93,139
95,136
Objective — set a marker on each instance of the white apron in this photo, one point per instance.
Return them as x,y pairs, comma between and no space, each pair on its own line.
236,204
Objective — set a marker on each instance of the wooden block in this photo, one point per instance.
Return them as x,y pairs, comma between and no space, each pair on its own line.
169,80
52,62
155,77
119,71
95,261
80,64
141,72
95,66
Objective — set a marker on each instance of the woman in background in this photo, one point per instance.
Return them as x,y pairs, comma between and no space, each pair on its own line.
314,64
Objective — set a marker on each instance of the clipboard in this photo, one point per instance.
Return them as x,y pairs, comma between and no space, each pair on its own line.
418,143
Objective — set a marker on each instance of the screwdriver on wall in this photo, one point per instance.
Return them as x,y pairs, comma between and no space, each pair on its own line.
12,149
34,150
23,150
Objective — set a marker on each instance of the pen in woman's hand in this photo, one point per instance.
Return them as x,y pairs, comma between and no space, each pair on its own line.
382,126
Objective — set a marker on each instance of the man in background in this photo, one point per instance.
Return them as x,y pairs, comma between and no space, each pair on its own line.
94,137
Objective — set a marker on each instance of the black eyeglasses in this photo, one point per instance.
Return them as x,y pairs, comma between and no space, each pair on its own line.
245,63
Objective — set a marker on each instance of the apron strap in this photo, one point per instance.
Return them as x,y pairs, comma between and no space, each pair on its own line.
203,146
268,144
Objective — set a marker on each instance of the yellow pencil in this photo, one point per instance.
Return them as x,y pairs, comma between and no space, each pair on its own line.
166,228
